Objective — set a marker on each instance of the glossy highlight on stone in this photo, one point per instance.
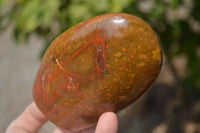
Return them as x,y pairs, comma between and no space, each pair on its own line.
102,64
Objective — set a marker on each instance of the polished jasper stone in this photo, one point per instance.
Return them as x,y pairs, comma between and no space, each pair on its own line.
102,64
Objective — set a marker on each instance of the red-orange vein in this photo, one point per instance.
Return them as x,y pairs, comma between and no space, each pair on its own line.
73,56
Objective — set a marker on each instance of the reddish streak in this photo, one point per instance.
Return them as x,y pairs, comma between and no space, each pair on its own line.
73,56
81,49
101,53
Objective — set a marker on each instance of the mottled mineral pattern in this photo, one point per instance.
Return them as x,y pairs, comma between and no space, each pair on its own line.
102,64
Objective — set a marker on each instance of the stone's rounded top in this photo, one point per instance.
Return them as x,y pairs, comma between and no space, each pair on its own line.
111,22
102,64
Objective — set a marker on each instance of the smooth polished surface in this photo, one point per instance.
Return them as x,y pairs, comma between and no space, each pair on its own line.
102,64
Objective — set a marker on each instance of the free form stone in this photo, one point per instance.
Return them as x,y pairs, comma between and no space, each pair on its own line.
102,64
